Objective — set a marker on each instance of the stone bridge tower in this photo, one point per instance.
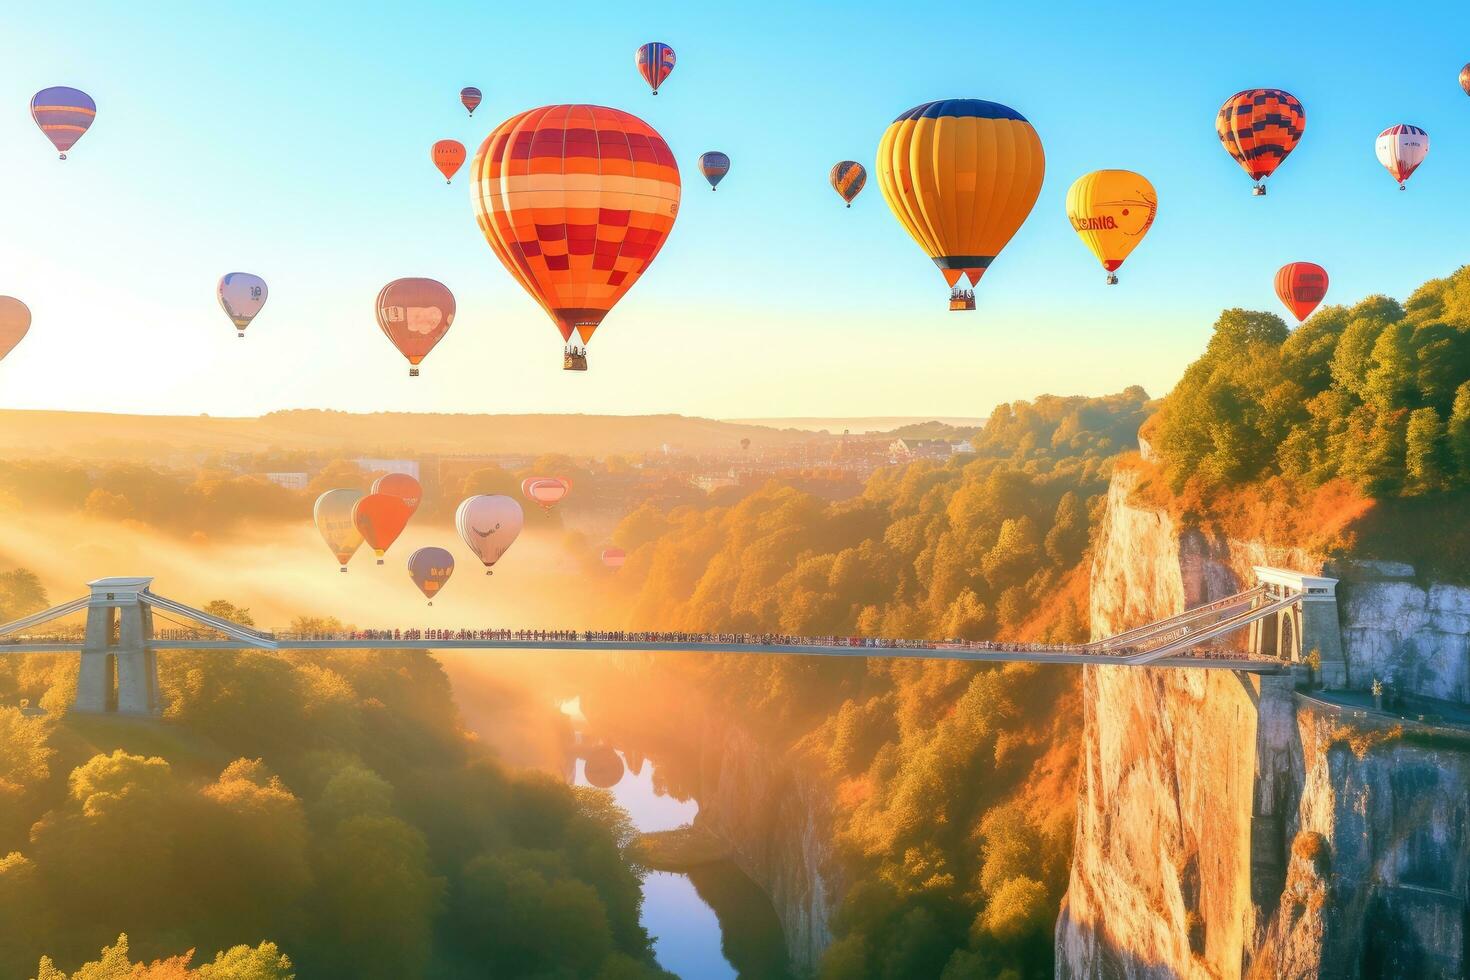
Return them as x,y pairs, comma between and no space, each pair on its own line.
119,670
1310,624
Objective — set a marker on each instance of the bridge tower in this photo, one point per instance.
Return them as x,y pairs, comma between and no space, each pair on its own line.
1310,624
119,670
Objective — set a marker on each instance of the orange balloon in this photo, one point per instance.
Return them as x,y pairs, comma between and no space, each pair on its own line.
402,486
380,518
575,201
448,156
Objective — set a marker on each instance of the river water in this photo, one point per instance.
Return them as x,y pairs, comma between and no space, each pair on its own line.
686,930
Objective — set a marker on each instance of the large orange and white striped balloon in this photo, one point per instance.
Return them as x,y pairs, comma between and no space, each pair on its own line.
575,201
1401,149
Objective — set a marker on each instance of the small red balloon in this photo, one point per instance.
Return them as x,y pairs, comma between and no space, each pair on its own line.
1301,286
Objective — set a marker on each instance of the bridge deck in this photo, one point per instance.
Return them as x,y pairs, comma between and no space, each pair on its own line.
1239,662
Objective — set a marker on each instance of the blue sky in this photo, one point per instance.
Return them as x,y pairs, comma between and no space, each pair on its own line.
292,140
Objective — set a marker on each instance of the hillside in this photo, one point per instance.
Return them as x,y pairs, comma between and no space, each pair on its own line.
90,435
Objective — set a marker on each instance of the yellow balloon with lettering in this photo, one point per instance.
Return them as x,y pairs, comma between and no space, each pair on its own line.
1111,211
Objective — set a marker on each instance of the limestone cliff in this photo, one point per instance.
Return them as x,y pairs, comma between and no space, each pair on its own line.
1230,825
777,822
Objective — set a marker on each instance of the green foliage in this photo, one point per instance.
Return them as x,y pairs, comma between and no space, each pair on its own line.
344,830
1374,394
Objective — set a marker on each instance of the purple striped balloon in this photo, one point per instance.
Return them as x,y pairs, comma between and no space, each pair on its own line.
63,114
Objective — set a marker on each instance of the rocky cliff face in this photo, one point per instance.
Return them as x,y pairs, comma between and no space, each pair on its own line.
777,822
1228,825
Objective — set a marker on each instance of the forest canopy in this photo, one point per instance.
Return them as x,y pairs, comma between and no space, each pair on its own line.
1377,394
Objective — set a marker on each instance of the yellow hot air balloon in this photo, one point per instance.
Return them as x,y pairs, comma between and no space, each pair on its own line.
961,176
1111,211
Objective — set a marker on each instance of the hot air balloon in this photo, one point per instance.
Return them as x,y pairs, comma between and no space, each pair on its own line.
546,490
415,314
241,296
1465,79
575,201
63,114
655,61
448,156
961,176
1401,149
614,557
1301,286
15,321
470,97
402,486
380,518
1259,127
1111,211
847,179
489,524
333,516
430,568
714,165
744,444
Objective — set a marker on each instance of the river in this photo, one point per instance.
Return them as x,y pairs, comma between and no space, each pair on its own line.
712,922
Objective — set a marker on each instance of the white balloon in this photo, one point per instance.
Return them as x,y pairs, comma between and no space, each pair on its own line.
489,524
241,295
1401,149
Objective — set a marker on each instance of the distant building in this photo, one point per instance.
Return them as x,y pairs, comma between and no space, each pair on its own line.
291,481
905,450
714,481
369,465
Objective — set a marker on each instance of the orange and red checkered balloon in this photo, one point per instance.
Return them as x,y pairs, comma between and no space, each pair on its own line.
1259,128
575,201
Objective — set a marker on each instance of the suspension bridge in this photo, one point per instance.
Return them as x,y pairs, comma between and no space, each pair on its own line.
1283,614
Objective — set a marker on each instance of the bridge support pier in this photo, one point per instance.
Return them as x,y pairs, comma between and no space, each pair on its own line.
119,671
1309,625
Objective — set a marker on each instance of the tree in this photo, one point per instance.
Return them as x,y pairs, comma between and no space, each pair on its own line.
1459,432
1424,455
263,962
20,594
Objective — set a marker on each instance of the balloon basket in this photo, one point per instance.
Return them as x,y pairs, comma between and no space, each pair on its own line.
343,569
489,571
63,156
1112,279
574,362
1259,190
413,372
240,335
380,561
431,602
849,205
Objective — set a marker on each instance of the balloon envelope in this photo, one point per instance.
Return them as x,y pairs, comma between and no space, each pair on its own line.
430,568
961,176
545,490
415,314
614,557
1111,211
380,519
333,516
714,165
402,486
241,296
655,60
575,201
469,97
63,114
848,178
489,524
1259,128
15,322
1465,79
448,156
1401,149
1301,286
